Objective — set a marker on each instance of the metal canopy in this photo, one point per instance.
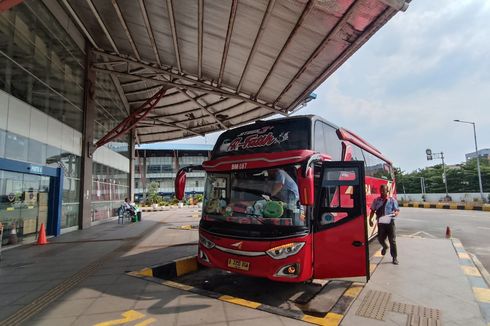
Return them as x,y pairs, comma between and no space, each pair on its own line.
222,63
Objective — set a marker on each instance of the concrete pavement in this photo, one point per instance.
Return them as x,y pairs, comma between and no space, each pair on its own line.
79,279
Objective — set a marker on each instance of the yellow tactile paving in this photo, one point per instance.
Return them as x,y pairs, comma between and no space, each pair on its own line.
242,302
471,271
482,294
463,255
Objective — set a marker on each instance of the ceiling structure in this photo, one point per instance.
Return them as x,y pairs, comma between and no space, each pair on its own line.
206,66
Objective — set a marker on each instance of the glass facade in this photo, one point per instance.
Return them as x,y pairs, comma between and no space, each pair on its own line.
109,188
40,64
23,204
160,166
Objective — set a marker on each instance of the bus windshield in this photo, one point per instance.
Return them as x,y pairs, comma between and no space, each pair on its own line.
268,196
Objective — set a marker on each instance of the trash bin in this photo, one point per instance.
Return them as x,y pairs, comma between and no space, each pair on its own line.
138,216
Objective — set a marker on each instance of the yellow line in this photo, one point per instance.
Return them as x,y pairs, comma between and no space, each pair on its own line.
331,319
463,255
242,302
354,290
372,267
129,316
178,285
457,244
186,266
471,271
145,272
378,254
482,294
146,322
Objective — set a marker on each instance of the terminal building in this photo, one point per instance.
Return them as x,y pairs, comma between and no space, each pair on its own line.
160,162
82,82
483,153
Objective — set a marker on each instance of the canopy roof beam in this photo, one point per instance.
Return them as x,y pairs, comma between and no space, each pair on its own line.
180,81
192,98
130,122
173,28
126,29
260,32
301,18
320,48
368,32
229,31
144,13
200,27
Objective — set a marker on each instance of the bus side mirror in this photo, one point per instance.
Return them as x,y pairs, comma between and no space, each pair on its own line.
180,184
306,186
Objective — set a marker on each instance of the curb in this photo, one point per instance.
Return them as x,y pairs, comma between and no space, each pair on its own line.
476,277
484,207
166,208
161,275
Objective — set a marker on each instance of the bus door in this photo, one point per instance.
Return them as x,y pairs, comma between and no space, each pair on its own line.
340,227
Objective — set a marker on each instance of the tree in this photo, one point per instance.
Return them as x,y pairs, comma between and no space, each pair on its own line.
460,178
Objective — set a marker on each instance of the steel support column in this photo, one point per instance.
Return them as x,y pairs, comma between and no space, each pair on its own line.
89,112
132,161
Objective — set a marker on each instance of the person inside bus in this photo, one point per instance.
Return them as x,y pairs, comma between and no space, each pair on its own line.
285,189
386,209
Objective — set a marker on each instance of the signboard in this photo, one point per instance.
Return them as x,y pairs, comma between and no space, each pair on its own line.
36,169
266,136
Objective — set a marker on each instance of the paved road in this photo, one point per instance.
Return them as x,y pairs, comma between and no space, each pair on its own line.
471,227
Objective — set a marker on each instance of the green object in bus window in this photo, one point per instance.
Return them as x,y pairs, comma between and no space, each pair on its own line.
273,209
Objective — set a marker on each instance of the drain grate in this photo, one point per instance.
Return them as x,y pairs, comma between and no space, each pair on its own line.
374,305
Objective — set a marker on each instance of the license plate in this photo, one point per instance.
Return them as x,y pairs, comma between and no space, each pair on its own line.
238,264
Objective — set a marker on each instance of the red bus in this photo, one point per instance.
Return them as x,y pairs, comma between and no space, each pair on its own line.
287,199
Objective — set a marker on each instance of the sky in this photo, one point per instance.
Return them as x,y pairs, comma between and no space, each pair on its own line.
402,90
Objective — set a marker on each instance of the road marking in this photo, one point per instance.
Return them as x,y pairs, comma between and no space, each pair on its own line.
482,295
129,316
471,271
422,233
483,227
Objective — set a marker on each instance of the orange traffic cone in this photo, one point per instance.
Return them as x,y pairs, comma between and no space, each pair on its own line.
41,240
448,232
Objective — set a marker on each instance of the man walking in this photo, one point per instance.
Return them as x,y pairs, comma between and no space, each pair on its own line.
386,209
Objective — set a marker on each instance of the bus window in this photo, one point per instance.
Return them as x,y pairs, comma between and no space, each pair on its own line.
327,141
338,194
376,167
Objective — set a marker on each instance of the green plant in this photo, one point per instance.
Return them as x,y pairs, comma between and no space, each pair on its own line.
153,193
198,198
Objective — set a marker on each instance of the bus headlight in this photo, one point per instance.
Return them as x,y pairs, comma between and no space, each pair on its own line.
206,243
281,252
